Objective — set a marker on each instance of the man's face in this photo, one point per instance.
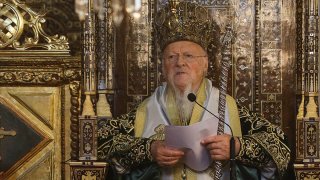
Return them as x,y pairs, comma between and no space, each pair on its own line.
184,63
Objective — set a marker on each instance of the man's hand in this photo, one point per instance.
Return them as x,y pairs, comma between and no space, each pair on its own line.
219,146
164,155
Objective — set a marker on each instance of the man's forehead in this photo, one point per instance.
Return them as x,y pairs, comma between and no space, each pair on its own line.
183,46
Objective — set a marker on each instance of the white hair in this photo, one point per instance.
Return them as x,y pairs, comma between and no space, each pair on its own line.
184,106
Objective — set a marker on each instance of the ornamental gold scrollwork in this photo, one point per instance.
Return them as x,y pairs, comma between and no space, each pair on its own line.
49,77
308,174
17,20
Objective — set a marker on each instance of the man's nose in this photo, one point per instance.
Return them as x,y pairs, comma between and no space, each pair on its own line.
181,60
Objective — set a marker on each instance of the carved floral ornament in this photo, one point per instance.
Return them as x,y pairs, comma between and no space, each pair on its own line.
39,77
18,21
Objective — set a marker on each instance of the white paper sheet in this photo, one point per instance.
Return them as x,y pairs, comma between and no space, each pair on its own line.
188,138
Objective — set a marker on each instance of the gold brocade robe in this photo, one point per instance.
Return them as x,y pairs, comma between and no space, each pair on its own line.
169,111
120,144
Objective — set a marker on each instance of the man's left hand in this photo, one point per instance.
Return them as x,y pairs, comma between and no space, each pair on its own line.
219,146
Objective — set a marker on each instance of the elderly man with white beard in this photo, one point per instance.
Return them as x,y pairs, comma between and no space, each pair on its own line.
134,143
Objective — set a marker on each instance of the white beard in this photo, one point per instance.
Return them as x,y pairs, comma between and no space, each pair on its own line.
184,106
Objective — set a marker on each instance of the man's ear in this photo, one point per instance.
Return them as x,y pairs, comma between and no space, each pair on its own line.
206,65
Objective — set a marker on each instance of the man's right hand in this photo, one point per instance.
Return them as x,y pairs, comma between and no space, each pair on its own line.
164,155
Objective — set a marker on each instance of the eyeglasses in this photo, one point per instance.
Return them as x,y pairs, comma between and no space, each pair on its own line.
187,57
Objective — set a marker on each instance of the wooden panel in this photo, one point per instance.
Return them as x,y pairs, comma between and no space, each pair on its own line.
303,172
38,158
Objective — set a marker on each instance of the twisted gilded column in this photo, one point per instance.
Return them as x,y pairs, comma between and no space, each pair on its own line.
74,126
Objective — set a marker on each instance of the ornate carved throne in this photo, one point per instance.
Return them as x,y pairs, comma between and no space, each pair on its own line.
43,95
259,79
